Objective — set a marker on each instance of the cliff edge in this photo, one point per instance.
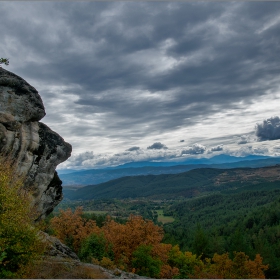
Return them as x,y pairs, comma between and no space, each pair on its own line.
32,146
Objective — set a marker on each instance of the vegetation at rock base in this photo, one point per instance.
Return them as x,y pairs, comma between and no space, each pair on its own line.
20,242
136,246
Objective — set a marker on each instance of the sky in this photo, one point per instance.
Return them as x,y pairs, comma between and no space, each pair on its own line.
149,80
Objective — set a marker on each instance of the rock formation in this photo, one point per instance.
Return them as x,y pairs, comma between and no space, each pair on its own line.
32,146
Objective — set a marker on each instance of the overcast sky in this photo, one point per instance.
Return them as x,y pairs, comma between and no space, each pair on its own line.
131,81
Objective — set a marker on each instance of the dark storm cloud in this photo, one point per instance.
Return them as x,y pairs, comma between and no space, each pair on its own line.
147,66
269,129
195,149
182,141
157,146
133,149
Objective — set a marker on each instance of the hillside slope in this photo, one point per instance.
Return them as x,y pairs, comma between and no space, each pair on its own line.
97,176
188,184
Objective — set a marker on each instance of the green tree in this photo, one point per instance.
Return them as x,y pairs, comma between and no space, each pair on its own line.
4,60
95,246
144,263
201,243
185,262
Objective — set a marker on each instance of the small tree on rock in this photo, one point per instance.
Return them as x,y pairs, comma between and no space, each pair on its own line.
4,61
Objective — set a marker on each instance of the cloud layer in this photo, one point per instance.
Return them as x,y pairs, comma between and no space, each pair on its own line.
114,75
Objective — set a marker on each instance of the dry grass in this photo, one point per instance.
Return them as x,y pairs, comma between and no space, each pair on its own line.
53,269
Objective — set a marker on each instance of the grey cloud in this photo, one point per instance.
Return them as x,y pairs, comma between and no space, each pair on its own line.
269,129
182,141
133,149
195,149
157,146
143,68
276,148
88,48
90,160
78,160
260,150
217,148
249,150
243,140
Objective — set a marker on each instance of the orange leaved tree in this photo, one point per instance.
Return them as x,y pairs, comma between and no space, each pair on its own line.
125,238
72,229
222,267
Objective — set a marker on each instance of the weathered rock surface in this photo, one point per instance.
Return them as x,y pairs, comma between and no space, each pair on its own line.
35,149
55,248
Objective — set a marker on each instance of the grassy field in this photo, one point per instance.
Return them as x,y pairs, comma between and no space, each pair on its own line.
164,219
96,212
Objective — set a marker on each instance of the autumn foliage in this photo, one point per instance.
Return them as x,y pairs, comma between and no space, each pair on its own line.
20,242
136,247
222,267
72,229
126,238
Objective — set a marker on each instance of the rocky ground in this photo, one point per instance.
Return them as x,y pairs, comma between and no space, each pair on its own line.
57,268
59,262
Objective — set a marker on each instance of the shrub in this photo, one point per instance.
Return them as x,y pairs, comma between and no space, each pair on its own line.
144,263
19,238
4,60
107,263
95,246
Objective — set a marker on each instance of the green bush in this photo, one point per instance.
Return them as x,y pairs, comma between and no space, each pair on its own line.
144,263
19,238
95,246
4,60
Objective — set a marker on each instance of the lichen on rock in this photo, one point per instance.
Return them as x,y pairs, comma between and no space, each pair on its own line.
32,146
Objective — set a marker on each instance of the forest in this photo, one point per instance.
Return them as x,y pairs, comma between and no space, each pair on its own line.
136,245
193,183
210,227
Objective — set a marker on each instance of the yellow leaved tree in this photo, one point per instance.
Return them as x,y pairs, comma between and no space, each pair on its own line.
20,243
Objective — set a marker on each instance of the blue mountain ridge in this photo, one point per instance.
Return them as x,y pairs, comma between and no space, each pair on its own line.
96,176
216,159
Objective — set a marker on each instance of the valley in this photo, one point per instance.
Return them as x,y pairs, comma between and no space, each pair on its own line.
204,210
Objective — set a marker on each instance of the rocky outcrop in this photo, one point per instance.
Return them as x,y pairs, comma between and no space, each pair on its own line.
32,146
55,248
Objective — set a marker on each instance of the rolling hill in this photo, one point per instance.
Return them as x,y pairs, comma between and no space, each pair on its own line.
97,176
189,184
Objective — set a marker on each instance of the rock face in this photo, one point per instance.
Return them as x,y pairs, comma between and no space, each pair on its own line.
32,146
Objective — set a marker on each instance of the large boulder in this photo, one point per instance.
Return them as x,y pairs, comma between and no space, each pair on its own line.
32,146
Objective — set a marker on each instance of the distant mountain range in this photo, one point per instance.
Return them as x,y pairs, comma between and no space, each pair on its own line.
76,179
188,184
